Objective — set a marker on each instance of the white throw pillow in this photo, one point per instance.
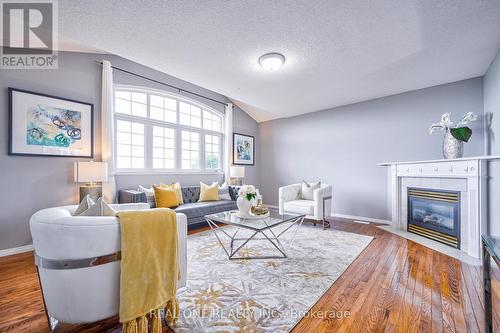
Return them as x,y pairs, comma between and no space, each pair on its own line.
86,203
100,208
150,193
307,191
224,192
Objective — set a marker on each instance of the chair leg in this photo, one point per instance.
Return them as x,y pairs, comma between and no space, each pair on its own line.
326,224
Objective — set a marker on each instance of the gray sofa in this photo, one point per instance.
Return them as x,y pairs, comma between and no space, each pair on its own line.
194,210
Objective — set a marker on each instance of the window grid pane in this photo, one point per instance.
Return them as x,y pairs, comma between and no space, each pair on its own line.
211,121
212,152
163,108
189,115
163,147
190,150
129,145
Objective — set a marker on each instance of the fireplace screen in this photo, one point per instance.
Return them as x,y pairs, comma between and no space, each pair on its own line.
435,214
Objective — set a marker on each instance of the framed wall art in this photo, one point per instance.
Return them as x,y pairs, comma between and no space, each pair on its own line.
243,149
44,125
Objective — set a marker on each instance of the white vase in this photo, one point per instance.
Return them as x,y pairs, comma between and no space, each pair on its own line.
244,206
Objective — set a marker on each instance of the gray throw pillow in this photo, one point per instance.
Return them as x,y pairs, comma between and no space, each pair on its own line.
100,208
307,191
86,203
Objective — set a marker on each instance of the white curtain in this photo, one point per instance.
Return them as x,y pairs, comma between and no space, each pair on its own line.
107,131
228,142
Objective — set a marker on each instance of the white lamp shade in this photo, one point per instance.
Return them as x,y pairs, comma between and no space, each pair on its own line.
88,172
237,172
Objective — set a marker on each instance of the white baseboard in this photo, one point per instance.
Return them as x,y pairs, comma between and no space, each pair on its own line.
361,218
16,250
352,217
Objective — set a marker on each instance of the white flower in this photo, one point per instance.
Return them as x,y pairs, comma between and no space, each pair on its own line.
246,189
467,118
446,122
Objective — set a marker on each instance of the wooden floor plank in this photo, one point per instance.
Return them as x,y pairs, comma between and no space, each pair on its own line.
446,302
437,308
425,324
395,285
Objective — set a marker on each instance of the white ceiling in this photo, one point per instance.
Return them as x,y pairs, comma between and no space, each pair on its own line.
338,52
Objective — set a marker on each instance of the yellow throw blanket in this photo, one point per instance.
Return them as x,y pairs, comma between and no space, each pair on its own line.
149,268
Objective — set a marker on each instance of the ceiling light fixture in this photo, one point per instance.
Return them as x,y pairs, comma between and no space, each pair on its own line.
272,61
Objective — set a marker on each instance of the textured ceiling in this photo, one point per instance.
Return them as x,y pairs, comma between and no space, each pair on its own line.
338,52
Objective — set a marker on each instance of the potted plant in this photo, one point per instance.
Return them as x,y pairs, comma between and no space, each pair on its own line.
454,136
245,201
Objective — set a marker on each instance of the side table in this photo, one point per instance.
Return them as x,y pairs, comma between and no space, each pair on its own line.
491,249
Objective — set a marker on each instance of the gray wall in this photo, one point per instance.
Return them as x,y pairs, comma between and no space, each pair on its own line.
342,146
492,113
32,183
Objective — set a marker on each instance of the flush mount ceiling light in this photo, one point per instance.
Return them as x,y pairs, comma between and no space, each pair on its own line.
271,61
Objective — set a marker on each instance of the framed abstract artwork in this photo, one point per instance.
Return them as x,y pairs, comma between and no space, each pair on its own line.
44,125
243,149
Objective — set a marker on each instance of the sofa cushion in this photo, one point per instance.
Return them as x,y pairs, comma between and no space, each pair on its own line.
86,203
224,192
100,208
178,190
165,197
300,207
200,209
150,194
233,192
190,194
307,190
209,192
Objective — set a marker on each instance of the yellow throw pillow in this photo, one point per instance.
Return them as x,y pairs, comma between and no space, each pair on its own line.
165,198
209,193
178,191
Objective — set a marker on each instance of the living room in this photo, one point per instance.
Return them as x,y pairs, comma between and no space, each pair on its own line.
295,166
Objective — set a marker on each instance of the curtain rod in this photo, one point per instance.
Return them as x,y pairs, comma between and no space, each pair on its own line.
162,83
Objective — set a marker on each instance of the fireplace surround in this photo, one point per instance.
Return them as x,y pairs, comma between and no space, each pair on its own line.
465,176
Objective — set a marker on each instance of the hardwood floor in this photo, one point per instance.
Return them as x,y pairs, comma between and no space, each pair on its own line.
395,285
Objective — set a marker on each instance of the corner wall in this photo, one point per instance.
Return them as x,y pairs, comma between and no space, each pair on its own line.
492,115
342,146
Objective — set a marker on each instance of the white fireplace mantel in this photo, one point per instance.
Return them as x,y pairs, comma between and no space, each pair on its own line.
466,175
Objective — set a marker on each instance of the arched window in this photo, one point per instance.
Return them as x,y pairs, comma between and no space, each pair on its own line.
162,132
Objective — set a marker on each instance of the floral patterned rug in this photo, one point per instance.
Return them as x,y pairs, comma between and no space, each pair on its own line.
262,295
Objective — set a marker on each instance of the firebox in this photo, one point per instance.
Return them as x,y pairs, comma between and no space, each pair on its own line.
435,214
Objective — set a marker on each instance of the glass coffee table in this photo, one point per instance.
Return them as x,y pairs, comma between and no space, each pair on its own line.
268,229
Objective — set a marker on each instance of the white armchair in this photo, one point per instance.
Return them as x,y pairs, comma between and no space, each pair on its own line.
77,260
319,209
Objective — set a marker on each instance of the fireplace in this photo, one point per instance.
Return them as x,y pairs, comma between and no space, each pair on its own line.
435,214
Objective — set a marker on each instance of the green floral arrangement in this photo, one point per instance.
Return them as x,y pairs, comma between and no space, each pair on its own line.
460,131
248,192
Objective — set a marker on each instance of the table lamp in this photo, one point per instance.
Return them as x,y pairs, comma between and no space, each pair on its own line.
237,173
91,173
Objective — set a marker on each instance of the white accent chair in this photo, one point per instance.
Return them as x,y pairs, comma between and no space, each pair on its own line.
78,265
318,210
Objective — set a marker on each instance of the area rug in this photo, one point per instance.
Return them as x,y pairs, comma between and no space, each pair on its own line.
262,295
